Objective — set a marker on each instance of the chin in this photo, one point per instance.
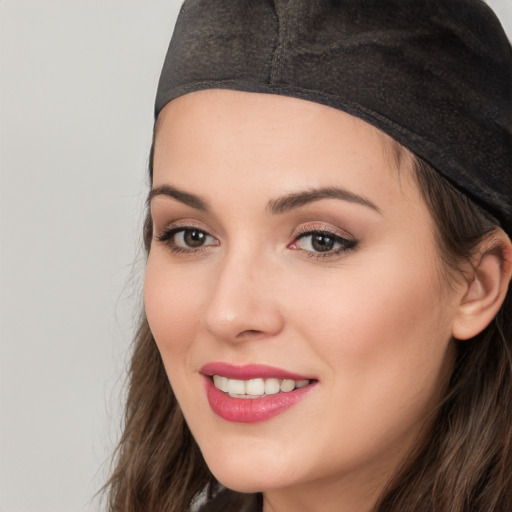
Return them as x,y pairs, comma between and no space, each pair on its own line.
242,474
248,484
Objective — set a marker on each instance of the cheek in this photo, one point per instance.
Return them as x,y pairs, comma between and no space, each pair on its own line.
172,307
365,312
389,299
384,331
384,339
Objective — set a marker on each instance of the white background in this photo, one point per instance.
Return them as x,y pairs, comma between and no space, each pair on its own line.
77,84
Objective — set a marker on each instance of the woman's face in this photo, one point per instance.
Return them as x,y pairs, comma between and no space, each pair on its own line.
291,252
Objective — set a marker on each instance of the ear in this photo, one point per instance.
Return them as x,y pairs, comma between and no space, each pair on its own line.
486,285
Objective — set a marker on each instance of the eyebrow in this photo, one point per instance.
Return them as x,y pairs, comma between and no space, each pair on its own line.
298,199
183,197
275,206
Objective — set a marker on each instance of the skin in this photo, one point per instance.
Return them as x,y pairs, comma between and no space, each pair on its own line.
372,323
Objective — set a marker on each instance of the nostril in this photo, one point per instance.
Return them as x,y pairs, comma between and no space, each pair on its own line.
250,334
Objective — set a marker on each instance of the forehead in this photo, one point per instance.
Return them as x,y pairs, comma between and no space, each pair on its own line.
273,144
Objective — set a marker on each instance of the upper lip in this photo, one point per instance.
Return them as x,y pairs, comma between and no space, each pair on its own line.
250,371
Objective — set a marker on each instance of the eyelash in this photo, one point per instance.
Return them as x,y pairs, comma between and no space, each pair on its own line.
167,237
347,244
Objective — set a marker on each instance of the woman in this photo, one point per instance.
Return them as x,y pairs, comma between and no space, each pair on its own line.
327,316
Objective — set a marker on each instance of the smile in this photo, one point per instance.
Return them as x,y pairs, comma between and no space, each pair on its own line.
256,388
252,393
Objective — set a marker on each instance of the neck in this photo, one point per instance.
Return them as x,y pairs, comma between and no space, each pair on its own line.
334,496
355,490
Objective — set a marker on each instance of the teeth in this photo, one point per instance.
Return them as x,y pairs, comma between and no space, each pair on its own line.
221,383
254,388
272,386
236,387
287,385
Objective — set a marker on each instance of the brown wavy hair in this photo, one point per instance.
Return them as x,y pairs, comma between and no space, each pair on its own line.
464,464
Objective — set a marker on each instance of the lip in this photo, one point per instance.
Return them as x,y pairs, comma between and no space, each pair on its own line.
251,410
250,371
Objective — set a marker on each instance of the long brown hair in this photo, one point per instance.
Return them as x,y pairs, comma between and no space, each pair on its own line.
464,464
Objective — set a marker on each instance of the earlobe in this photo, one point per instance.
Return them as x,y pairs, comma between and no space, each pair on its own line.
486,286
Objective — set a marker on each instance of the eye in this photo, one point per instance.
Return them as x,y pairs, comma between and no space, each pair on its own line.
186,239
322,243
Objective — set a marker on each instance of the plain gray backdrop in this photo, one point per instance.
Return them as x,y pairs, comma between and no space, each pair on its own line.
77,84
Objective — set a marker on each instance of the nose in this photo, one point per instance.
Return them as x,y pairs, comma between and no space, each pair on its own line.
243,304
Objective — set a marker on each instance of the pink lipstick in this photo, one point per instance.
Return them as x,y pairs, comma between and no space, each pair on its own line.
253,393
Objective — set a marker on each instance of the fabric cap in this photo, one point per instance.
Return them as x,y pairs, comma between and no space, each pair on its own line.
436,75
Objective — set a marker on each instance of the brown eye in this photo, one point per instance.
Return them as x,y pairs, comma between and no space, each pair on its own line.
322,243
183,239
194,237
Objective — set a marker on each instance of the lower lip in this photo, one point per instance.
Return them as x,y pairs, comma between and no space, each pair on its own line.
252,410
